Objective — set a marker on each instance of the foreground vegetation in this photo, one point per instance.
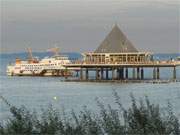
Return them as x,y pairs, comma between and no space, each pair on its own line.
142,118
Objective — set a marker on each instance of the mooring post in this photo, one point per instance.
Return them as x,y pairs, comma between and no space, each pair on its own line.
154,73
87,74
102,73
126,73
134,73
158,73
107,74
138,77
142,73
81,74
174,73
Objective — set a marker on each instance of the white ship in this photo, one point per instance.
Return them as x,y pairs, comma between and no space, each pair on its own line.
48,66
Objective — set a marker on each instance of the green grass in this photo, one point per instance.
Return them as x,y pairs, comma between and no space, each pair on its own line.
141,118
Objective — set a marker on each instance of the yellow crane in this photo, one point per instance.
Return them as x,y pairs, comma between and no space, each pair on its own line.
31,59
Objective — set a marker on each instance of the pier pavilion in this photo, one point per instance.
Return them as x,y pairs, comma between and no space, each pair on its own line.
116,48
116,54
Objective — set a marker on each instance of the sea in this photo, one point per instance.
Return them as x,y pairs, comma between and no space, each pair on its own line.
37,93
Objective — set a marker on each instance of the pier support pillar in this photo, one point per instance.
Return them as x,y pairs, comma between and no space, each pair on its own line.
107,74
121,73
87,74
81,74
113,74
154,73
158,73
142,73
97,74
77,73
126,73
174,73
138,76
66,71
118,73
57,72
102,73
134,74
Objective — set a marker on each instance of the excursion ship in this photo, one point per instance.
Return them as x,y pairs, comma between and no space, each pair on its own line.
48,66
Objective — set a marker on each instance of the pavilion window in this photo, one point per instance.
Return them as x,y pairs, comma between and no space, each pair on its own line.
124,59
120,59
111,59
139,58
103,58
132,59
128,59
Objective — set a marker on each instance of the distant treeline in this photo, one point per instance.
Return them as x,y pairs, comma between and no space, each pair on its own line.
141,118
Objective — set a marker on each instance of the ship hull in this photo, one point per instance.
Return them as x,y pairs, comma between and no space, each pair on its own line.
58,73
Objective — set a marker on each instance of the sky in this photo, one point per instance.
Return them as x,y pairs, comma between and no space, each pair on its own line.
81,25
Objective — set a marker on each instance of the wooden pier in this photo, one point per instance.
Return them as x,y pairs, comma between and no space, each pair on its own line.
120,71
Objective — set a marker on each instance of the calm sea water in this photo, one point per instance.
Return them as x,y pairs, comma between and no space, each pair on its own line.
39,92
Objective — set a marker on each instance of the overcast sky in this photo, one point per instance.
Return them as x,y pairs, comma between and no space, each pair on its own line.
81,25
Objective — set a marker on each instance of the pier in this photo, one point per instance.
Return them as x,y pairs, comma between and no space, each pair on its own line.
116,57
121,71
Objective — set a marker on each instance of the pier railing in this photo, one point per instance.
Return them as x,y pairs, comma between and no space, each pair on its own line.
167,62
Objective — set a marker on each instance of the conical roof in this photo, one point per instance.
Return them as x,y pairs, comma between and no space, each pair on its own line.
116,42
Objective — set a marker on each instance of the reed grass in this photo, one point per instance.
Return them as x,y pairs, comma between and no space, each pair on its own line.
141,118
